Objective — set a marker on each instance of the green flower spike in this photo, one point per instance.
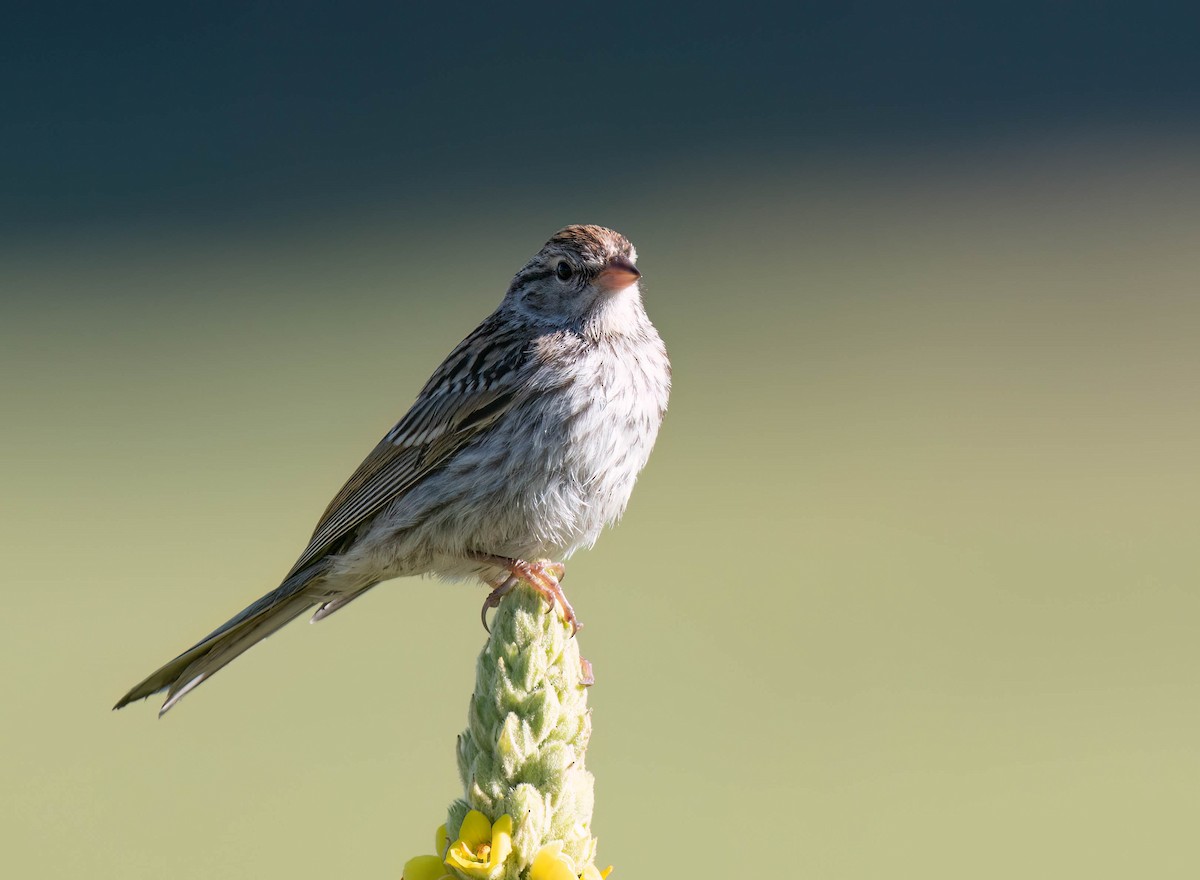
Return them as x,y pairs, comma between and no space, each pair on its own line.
521,756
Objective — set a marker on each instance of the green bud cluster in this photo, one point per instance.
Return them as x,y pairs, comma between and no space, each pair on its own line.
528,728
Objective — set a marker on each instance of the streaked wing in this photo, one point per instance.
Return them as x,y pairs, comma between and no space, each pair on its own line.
477,383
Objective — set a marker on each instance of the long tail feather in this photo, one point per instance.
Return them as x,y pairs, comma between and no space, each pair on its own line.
224,644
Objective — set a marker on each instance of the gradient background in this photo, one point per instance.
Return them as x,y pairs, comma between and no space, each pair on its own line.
909,587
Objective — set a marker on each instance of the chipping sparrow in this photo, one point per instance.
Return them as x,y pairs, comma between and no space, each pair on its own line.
521,447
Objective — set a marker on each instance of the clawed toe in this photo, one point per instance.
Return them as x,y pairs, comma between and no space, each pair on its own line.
545,576
494,597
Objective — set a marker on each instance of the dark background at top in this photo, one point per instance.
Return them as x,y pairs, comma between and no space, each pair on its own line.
213,111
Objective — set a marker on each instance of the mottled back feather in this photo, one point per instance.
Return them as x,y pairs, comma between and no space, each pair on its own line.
474,387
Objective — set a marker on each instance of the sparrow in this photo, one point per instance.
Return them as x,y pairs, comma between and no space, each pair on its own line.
523,445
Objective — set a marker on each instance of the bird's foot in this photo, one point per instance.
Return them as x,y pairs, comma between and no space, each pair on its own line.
543,575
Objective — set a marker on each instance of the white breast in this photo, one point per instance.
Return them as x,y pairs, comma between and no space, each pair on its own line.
616,422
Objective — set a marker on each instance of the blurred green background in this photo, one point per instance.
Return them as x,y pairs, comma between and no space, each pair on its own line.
908,588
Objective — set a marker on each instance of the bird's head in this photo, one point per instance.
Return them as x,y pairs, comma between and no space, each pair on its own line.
584,275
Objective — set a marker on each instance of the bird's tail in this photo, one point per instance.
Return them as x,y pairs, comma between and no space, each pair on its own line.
220,647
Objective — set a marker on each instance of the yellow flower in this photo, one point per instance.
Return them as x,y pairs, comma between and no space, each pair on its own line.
425,868
551,863
481,848
429,867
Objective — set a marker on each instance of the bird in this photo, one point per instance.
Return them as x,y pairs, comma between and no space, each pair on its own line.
521,447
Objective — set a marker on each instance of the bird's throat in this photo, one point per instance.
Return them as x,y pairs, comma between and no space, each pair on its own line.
617,313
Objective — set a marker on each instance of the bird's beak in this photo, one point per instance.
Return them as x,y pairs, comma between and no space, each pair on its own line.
618,274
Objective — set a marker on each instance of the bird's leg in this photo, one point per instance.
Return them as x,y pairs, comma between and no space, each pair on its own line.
543,575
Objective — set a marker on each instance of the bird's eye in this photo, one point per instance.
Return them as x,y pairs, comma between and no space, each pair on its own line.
564,271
